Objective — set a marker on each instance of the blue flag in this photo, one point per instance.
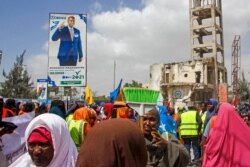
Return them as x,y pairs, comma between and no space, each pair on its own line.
114,94
167,123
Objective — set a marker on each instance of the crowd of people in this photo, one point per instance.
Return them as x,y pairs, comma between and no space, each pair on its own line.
109,134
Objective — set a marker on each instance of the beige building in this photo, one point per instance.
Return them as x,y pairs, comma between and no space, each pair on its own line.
198,79
186,82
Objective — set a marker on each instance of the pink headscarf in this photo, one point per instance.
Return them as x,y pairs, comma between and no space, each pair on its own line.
228,142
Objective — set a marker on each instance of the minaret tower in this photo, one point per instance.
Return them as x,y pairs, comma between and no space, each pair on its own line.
206,36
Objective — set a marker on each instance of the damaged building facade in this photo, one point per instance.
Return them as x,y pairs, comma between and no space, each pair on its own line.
198,79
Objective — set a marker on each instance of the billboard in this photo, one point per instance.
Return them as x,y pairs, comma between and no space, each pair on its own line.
67,49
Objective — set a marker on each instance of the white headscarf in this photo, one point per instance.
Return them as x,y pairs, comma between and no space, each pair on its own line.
65,152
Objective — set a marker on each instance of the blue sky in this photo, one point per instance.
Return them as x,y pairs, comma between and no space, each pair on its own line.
23,25
23,22
135,33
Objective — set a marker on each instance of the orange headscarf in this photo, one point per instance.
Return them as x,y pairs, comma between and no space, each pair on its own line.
82,113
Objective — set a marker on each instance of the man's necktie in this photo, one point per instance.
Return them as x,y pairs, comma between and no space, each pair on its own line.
71,33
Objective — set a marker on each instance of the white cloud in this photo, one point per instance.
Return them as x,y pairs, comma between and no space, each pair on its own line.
37,66
159,33
45,46
135,39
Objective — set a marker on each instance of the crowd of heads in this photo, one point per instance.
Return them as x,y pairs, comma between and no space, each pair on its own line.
45,130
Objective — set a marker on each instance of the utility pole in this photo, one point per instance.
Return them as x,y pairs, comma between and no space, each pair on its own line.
1,55
114,72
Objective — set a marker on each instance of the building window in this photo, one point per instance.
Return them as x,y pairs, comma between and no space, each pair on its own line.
167,77
198,77
210,76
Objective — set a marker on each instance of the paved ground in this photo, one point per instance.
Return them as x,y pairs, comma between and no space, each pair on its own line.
192,157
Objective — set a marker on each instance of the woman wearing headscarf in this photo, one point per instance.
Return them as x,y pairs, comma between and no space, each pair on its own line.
162,149
113,143
228,142
82,113
58,107
48,143
80,125
211,110
108,108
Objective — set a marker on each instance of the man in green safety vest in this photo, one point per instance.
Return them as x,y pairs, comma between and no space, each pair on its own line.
190,127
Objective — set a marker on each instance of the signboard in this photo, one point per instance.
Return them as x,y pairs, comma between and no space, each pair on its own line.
67,49
41,89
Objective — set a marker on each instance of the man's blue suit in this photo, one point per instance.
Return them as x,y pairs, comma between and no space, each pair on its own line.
69,50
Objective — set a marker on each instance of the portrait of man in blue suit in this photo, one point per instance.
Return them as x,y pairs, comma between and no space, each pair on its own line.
70,49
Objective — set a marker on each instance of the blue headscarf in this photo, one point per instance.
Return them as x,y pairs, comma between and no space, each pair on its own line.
167,123
213,102
211,112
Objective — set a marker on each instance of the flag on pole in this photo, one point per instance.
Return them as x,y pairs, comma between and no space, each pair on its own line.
88,95
115,93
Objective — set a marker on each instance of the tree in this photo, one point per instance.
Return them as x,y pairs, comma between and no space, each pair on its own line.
133,84
17,82
243,89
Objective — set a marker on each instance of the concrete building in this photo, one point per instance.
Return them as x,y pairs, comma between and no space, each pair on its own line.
198,79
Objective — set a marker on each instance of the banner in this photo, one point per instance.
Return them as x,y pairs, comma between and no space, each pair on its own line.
14,144
67,49
41,89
